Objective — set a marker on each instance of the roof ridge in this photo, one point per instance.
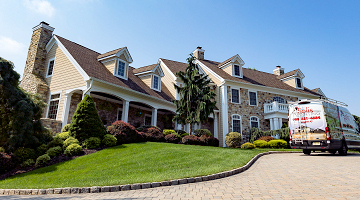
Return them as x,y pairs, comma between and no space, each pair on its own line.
77,44
172,60
145,66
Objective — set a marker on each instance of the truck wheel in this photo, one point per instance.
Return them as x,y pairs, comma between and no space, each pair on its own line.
343,150
306,151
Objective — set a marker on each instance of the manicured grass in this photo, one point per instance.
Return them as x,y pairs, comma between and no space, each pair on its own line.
134,163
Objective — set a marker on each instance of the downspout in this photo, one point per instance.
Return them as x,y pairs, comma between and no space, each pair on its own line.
89,88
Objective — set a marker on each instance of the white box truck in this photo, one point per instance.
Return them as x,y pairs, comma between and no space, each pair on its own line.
322,125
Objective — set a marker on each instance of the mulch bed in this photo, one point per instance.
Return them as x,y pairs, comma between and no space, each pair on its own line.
59,159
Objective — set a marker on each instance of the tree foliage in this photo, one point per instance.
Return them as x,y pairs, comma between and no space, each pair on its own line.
197,100
86,122
357,120
20,112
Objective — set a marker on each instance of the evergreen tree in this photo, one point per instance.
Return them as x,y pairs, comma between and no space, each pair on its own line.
197,100
20,112
86,122
357,120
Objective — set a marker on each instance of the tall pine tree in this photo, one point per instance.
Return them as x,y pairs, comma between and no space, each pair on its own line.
197,99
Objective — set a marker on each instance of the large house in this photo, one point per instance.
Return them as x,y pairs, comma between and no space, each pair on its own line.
63,72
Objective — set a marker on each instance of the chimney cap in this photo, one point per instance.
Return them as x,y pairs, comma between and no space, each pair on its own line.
199,47
278,66
44,23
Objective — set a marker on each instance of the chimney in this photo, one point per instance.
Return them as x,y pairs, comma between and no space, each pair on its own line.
278,71
199,53
33,79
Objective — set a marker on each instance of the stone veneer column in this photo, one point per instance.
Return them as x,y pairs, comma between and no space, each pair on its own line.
125,111
154,117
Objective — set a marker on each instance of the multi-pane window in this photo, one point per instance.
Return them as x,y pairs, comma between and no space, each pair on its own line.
252,97
121,69
155,82
254,122
50,68
236,123
236,70
298,83
235,96
53,106
279,99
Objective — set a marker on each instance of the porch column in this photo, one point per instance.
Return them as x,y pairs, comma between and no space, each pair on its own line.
271,123
154,117
66,108
276,123
125,111
177,126
280,123
216,134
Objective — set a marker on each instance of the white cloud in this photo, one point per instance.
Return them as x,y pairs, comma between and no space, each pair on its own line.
40,6
10,46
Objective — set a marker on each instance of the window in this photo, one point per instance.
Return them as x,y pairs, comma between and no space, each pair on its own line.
298,83
156,82
50,67
119,114
254,122
279,99
121,69
236,123
53,106
252,99
147,120
235,96
236,70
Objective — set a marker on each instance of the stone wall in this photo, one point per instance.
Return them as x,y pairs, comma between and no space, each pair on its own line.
137,116
75,99
164,121
246,111
107,110
54,125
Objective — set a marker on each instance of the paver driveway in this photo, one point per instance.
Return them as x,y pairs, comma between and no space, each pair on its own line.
275,176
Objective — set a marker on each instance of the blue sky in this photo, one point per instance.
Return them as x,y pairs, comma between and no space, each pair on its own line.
319,37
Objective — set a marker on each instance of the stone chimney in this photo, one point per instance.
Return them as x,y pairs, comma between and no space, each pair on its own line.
278,71
33,79
199,53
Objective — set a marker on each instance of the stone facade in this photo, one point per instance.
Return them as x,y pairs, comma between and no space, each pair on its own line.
107,110
246,111
54,125
137,116
75,99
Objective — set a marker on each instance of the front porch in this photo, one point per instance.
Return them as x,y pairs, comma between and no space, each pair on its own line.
277,113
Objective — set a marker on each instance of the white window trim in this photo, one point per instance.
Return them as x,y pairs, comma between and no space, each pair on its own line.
301,82
232,123
47,71
159,82
238,89
240,71
279,97
125,70
117,114
47,111
147,115
255,96
258,121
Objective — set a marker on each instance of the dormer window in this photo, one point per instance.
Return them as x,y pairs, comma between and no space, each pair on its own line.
156,82
236,70
121,69
298,83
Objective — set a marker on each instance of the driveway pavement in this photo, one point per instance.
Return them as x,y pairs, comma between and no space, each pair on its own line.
275,176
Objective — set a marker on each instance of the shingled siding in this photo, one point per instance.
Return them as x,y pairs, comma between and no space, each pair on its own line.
246,111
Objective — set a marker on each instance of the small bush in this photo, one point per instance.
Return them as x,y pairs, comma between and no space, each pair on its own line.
247,145
233,139
181,133
154,135
2,150
73,150
63,135
168,132
209,141
124,132
92,143
261,143
25,153
7,162
266,138
27,163
54,151
144,127
41,160
172,138
55,142
70,141
200,132
109,140
277,144
191,139
41,150
65,128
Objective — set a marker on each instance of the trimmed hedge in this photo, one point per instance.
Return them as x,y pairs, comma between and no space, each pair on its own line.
41,150
109,140
54,151
73,150
256,134
27,163
91,143
70,141
266,138
200,132
124,132
154,135
233,139
144,127
41,160
261,144
55,142
247,145
63,135
168,131
277,144
191,139
209,141
172,138
25,153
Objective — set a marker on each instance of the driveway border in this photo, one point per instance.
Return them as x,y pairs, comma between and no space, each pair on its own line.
136,186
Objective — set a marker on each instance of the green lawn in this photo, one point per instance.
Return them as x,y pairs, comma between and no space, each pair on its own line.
134,163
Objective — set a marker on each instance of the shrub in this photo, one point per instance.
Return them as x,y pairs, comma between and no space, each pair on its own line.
168,132
92,143
41,150
261,143
27,163
256,134
200,132
86,122
233,139
144,127
73,150
7,162
191,139
172,138
266,138
247,145
65,128
209,141
109,140
55,142
41,160
63,135
154,135
25,153
277,144
70,141
54,151
124,132
2,150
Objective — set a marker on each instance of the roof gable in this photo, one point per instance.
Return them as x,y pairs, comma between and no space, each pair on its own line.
117,53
